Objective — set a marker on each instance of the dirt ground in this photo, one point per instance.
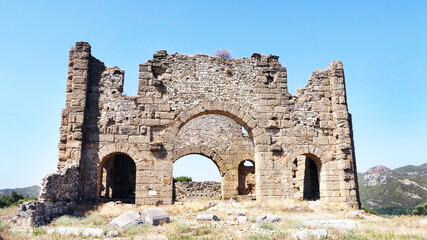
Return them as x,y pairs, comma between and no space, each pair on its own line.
184,223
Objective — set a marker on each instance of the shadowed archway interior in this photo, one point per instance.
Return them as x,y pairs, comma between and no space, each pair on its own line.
118,177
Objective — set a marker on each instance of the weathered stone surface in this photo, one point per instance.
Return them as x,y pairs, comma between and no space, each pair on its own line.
126,220
268,218
77,231
155,216
354,215
65,231
58,195
343,224
207,217
302,144
310,234
235,212
197,190
423,222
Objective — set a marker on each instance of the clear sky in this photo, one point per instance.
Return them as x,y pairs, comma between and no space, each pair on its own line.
383,45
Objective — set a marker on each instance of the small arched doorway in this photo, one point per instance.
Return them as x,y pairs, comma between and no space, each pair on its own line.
246,178
117,178
311,180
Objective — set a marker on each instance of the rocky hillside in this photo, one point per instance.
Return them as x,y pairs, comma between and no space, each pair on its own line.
395,191
32,191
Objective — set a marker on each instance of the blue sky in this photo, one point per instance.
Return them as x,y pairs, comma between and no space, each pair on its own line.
381,43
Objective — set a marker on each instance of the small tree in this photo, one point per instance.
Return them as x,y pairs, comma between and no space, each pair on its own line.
183,179
420,209
223,53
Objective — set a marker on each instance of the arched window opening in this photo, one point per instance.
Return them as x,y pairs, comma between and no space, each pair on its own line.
311,180
246,184
118,177
205,178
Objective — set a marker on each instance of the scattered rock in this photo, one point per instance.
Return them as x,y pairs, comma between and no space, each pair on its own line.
354,215
241,219
126,220
155,216
235,212
343,224
268,218
423,222
151,237
76,231
92,232
112,233
339,208
310,234
294,206
207,217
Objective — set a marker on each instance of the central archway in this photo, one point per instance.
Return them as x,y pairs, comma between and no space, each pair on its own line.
117,178
196,177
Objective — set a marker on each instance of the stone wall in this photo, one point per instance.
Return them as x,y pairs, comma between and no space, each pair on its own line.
58,195
198,105
187,191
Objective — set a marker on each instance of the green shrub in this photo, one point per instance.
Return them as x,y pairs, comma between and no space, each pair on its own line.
39,231
137,229
420,209
183,179
13,199
266,225
91,220
183,228
258,236
3,226
66,220
370,211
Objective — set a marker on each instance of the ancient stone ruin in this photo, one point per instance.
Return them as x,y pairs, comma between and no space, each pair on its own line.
118,147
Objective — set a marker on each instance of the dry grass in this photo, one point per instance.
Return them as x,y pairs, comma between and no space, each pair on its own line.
185,226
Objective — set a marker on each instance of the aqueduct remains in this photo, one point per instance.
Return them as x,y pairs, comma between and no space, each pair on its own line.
114,146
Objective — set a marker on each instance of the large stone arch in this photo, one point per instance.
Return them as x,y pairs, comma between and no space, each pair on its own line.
228,170
201,151
234,111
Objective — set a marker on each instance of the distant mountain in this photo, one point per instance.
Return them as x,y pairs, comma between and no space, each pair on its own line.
32,191
396,191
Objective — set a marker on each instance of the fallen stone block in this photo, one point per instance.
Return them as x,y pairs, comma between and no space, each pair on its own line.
341,224
207,217
155,216
268,218
151,237
126,220
241,219
236,212
65,231
92,232
310,234
354,215
112,233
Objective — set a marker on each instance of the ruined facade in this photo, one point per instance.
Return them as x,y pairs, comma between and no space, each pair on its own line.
300,146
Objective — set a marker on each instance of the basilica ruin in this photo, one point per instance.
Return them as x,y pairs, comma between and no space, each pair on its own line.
118,147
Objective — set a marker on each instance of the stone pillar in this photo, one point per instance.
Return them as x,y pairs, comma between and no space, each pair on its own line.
344,146
72,117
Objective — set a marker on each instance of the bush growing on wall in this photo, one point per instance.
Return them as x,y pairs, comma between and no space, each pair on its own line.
223,53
